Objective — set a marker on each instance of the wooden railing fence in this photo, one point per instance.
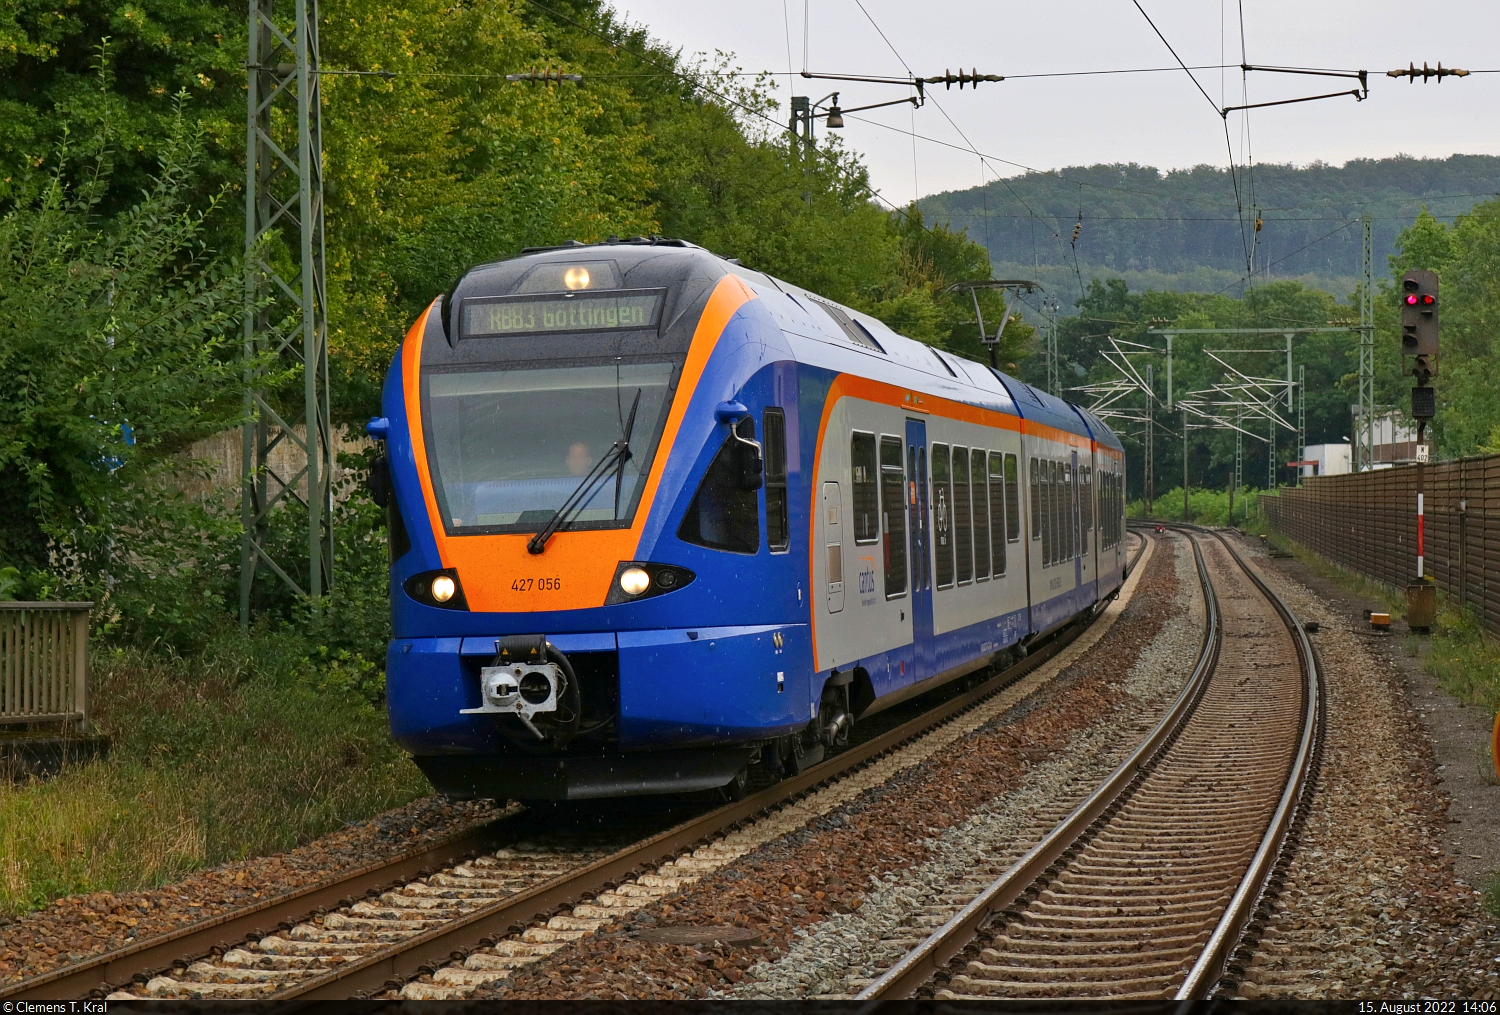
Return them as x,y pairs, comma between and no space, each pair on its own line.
44,671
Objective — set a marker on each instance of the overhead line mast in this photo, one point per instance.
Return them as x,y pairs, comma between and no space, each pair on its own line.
285,307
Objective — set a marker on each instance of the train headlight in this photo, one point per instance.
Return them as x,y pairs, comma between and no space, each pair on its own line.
634,581
443,588
576,277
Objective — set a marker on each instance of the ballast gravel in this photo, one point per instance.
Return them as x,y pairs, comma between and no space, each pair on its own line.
834,864
841,954
78,927
1371,907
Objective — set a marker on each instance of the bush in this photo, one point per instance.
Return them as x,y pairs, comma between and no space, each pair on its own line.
1208,507
117,349
1462,661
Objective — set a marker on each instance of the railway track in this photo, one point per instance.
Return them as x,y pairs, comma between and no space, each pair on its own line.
464,912
1144,889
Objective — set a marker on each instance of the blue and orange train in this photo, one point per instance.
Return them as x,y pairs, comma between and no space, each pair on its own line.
656,518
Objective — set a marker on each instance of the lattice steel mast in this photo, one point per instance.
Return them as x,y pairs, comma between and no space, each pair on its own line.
1364,434
285,297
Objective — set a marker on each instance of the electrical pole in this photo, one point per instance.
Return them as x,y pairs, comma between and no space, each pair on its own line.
1185,506
1364,439
1301,418
1052,365
1271,454
285,310
1149,479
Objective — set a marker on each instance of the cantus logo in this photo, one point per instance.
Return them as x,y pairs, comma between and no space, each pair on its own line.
867,595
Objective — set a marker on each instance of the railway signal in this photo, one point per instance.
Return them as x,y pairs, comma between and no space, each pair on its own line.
1419,340
1419,322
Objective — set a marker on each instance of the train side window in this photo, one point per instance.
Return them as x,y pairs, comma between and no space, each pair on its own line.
963,530
942,516
999,532
1104,526
865,488
1109,510
778,527
1065,473
1054,491
1060,503
1106,530
1109,516
1086,502
893,516
1075,518
1060,507
1047,519
1012,500
1059,513
980,499
1070,510
1036,501
1117,510
723,515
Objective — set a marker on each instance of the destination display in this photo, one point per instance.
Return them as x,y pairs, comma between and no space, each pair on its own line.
529,315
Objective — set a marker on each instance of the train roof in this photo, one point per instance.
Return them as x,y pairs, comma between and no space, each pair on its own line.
691,270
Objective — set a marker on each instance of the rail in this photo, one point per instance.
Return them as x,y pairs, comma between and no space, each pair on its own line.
918,965
1210,965
44,664
943,945
401,961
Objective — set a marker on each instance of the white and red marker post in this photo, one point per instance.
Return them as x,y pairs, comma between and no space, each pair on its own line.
1421,532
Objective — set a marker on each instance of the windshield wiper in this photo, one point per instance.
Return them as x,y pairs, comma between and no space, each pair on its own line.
624,446
615,457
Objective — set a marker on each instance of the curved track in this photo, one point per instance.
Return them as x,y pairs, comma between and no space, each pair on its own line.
1143,891
375,929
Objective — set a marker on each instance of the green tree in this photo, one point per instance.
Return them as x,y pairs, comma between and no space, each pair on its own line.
1466,256
113,347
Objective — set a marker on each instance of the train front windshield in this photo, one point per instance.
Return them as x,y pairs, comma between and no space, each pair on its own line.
507,447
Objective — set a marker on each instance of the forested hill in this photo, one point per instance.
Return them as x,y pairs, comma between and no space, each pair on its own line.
1180,229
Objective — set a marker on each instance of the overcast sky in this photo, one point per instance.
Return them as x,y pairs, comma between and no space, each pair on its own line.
1158,119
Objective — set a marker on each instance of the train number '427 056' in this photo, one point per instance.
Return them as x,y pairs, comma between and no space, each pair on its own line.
536,584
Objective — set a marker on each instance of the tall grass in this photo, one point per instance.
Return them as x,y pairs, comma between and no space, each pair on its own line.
240,751
1206,507
1465,662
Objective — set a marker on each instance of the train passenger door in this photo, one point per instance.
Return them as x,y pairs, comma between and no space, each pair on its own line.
924,653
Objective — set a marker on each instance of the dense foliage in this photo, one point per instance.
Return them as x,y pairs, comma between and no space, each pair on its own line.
121,171
1466,256
1184,229
114,354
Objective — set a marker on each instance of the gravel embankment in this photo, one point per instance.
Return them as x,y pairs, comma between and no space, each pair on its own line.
872,847
79,926
841,954
1371,907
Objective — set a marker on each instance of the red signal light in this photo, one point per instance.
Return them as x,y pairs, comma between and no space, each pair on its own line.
1411,299
1428,300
